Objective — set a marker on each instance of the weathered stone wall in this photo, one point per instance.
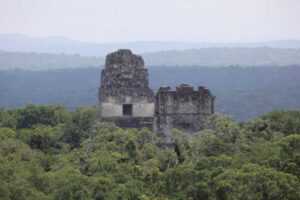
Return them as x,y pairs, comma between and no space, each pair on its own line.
124,80
126,99
184,108
131,122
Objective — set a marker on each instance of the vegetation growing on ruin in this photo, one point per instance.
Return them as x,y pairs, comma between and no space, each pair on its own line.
47,152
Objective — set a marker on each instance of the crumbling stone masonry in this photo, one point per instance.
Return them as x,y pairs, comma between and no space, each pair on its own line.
126,99
184,108
124,95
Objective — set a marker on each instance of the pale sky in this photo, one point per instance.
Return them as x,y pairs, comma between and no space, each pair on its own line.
153,20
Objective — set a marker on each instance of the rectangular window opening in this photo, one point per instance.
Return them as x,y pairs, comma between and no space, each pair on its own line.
127,109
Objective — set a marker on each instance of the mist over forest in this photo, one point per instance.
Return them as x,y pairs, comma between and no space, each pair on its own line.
248,79
207,57
22,52
252,92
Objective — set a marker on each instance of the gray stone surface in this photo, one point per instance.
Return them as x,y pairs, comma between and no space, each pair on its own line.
124,83
125,76
184,108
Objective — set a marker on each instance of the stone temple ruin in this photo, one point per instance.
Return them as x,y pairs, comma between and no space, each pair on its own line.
126,99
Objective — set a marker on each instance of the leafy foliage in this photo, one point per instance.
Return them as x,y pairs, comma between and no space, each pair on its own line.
46,115
49,153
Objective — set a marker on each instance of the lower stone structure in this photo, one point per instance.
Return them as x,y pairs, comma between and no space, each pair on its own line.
131,122
126,99
184,108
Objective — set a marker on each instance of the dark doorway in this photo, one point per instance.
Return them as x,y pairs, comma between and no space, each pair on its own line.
127,109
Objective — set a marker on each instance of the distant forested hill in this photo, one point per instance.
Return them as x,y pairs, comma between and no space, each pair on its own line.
209,57
225,57
58,45
241,92
38,61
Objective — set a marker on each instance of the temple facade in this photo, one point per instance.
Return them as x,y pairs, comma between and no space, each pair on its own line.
126,99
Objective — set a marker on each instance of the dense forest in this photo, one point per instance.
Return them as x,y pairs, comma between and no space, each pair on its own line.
49,153
242,93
